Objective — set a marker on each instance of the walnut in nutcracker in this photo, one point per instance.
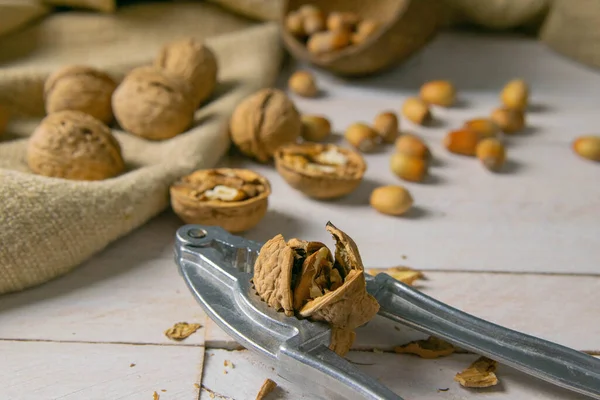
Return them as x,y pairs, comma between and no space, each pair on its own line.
321,171
153,104
80,88
74,145
263,122
194,62
234,199
303,278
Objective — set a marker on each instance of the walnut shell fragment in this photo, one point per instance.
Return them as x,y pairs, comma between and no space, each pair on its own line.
320,171
403,274
193,61
480,374
303,278
182,330
74,145
430,348
80,88
234,199
263,122
153,104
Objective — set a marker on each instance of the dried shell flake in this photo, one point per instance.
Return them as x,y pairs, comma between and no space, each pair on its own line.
430,348
480,374
181,330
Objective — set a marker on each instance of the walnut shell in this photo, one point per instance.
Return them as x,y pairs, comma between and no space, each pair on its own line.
193,61
80,88
263,122
312,169
152,104
234,199
74,145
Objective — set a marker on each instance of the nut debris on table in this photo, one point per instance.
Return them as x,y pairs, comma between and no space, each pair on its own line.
480,374
182,330
267,387
429,348
403,274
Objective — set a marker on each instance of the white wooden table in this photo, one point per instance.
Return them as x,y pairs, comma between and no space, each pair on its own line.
519,248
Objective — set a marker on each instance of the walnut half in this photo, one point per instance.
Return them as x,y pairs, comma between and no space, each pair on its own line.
304,279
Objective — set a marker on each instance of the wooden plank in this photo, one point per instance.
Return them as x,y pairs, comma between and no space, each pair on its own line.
409,376
72,371
129,293
562,309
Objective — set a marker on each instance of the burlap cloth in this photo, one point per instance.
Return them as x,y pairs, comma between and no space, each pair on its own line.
49,226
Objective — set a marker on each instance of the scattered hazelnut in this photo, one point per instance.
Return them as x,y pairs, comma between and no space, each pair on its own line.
309,9
314,23
416,110
315,128
80,88
485,127
386,125
328,41
362,137
342,20
303,84
294,23
440,93
4,117
391,200
515,95
411,145
587,147
462,141
491,153
508,120
413,169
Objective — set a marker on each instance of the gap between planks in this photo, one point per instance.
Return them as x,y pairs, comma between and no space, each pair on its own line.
94,342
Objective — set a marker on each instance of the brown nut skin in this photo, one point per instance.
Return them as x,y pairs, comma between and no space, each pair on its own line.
233,216
193,61
303,83
440,93
413,146
342,21
416,110
80,88
364,30
408,168
319,186
153,104
462,141
263,122
386,124
328,41
74,145
515,95
4,118
508,120
362,137
315,128
485,127
491,153
587,147
294,23
391,200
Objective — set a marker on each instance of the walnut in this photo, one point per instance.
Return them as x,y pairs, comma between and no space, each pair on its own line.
80,88
193,61
263,122
234,199
74,145
152,104
321,171
303,278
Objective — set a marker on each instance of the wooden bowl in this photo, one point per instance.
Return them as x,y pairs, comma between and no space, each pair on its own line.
407,26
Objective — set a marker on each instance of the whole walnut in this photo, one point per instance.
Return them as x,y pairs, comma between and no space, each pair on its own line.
193,61
263,122
74,145
153,104
80,88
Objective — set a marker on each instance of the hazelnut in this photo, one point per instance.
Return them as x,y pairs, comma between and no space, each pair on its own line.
309,9
515,95
440,93
342,21
413,146
303,84
409,168
314,23
491,153
386,124
294,23
587,147
192,61
4,118
328,41
153,104
315,128
485,127
362,137
462,141
80,88
391,200
74,145
508,120
365,29
416,110
264,121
